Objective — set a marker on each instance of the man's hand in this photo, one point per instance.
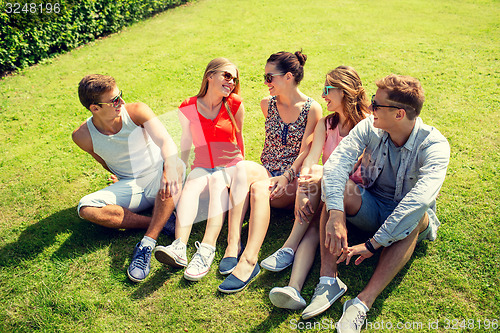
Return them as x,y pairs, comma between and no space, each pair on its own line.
169,182
355,250
336,234
112,179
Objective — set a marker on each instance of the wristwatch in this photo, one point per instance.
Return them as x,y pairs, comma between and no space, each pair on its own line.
370,247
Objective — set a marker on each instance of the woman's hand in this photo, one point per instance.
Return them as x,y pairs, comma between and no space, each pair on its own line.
303,208
359,250
277,187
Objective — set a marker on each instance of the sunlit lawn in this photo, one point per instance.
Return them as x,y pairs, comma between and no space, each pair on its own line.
58,272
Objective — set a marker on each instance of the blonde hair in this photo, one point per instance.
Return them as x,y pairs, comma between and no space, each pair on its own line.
354,101
212,67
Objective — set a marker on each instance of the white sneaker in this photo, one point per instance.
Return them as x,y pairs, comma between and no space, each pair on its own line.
200,263
173,255
287,298
352,319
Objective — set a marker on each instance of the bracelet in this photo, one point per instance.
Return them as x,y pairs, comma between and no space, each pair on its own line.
292,173
369,246
284,175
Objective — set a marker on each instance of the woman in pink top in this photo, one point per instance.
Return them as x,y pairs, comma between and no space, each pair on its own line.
212,122
348,103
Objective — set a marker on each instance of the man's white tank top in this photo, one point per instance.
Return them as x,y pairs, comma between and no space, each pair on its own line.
130,153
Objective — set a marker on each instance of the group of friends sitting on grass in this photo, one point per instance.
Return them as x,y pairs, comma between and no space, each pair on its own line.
382,169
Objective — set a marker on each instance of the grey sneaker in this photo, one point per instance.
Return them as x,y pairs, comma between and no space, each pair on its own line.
279,260
352,319
287,298
173,255
323,298
200,263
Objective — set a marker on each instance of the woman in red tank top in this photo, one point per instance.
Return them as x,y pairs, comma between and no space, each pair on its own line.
212,122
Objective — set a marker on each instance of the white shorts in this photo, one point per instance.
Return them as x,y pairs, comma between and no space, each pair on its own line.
134,194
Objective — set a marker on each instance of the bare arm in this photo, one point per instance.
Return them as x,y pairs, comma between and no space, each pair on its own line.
319,137
143,116
312,119
240,115
264,104
81,136
186,138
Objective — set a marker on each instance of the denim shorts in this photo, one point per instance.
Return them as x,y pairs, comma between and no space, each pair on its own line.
275,173
374,211
211,170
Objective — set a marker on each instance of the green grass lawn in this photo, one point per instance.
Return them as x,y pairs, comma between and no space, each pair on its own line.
60,273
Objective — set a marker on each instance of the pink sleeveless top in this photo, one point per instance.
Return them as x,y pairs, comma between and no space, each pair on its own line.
333,139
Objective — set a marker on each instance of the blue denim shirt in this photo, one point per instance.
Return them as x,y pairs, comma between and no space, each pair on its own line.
424,160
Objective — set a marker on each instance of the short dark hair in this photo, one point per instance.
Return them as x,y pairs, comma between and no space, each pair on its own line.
405,92
91,88
290,62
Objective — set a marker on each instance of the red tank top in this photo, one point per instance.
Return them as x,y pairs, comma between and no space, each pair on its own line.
215,143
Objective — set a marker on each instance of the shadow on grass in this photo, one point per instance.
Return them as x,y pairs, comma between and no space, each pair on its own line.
84,237
154,282
355,277
80,238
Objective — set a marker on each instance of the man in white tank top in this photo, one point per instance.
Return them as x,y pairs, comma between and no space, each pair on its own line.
129,141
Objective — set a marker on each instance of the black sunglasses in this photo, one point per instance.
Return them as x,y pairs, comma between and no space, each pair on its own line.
228,77
269,76
116,101
375,105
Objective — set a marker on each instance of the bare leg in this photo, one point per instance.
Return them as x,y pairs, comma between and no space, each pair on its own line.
164,208
245,175
352,204
114,216
304,256
392,260
259,222
161,212
314,196
219,202
117,217
187,208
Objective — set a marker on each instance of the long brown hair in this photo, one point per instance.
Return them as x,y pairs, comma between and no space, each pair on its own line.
212,67
354,100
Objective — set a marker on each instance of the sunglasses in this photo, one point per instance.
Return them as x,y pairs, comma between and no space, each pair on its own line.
116,101
269,77
228,77
375,105
326,89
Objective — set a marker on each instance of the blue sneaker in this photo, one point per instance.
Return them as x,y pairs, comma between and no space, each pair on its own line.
169,227
279,260
232,284
140,264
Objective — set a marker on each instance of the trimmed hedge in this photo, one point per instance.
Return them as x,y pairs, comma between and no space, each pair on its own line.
30,36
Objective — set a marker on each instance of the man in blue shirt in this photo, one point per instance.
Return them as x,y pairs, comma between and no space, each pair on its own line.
403,168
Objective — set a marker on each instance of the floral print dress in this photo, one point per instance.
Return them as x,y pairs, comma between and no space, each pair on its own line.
282,144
